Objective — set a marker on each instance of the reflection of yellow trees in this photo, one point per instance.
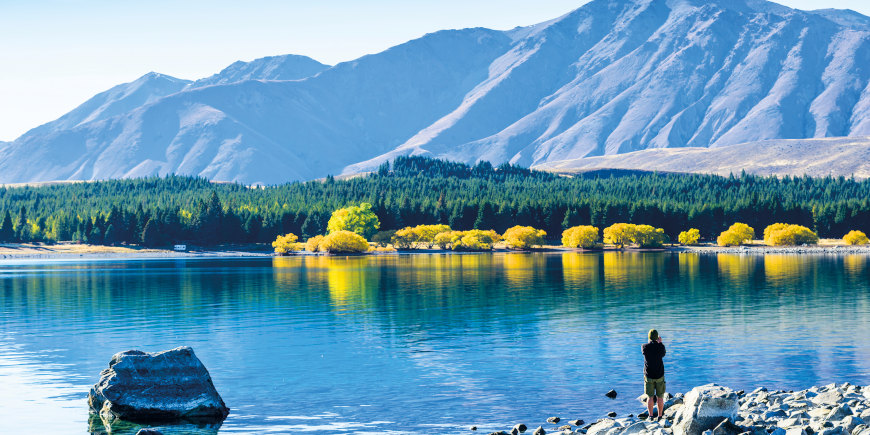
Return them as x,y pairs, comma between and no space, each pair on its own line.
689,265
622,268
855,264
520,268
350,280
736,268
285,270
785,268
580,270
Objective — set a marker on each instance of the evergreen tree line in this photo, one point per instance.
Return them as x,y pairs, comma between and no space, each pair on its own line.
411,191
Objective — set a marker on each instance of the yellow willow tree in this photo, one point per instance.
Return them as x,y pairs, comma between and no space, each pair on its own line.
582,236
736,235
358,219
520,237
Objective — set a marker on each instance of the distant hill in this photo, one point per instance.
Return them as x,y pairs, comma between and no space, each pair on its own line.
612,77
814,157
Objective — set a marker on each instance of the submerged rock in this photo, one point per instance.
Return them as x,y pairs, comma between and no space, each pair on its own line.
611,394
150,387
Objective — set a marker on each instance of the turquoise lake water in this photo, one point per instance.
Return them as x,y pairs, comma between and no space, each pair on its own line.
428,344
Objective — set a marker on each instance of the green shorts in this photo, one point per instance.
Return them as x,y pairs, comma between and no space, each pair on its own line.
654,387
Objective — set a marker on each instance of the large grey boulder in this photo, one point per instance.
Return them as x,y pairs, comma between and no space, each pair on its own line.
704,408
157,387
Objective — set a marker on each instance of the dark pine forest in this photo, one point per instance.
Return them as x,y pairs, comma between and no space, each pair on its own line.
157,211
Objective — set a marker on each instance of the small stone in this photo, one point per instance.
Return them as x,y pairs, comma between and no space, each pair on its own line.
643,415
850,422
577,422
769,415
611,394
521,428
539,431
553,420
790,422
611,414
839,413
473,428
565,427
726,427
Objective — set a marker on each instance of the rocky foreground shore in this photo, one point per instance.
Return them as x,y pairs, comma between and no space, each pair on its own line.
716,410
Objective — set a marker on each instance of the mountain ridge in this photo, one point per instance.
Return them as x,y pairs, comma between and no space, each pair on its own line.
611,77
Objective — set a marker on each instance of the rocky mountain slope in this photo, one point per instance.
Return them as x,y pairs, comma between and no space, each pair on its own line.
814,157
612,77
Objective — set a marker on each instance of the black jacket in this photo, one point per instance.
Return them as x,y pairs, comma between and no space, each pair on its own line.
653,366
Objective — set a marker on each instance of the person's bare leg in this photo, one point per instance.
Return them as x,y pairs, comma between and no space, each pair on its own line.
650,402
661,407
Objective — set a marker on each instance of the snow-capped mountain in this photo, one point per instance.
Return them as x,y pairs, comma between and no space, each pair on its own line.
286,67
612,77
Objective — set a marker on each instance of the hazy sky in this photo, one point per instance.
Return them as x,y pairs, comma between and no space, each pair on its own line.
57,53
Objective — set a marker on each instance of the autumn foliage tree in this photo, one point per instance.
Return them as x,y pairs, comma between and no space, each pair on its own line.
358,219
313,243
471,240
689,237
581,236
520,237
344,242
736,235
786,234
287,244
619,235
420,236
856,237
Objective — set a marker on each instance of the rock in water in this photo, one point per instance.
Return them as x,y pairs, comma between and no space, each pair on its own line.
539,431
553,420
165,386
704,408
611,394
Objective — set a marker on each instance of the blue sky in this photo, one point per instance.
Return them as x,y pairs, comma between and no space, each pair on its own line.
57,53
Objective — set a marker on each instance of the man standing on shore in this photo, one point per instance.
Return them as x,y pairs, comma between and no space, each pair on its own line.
654,372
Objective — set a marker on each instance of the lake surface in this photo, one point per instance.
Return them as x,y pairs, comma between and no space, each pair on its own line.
428,344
